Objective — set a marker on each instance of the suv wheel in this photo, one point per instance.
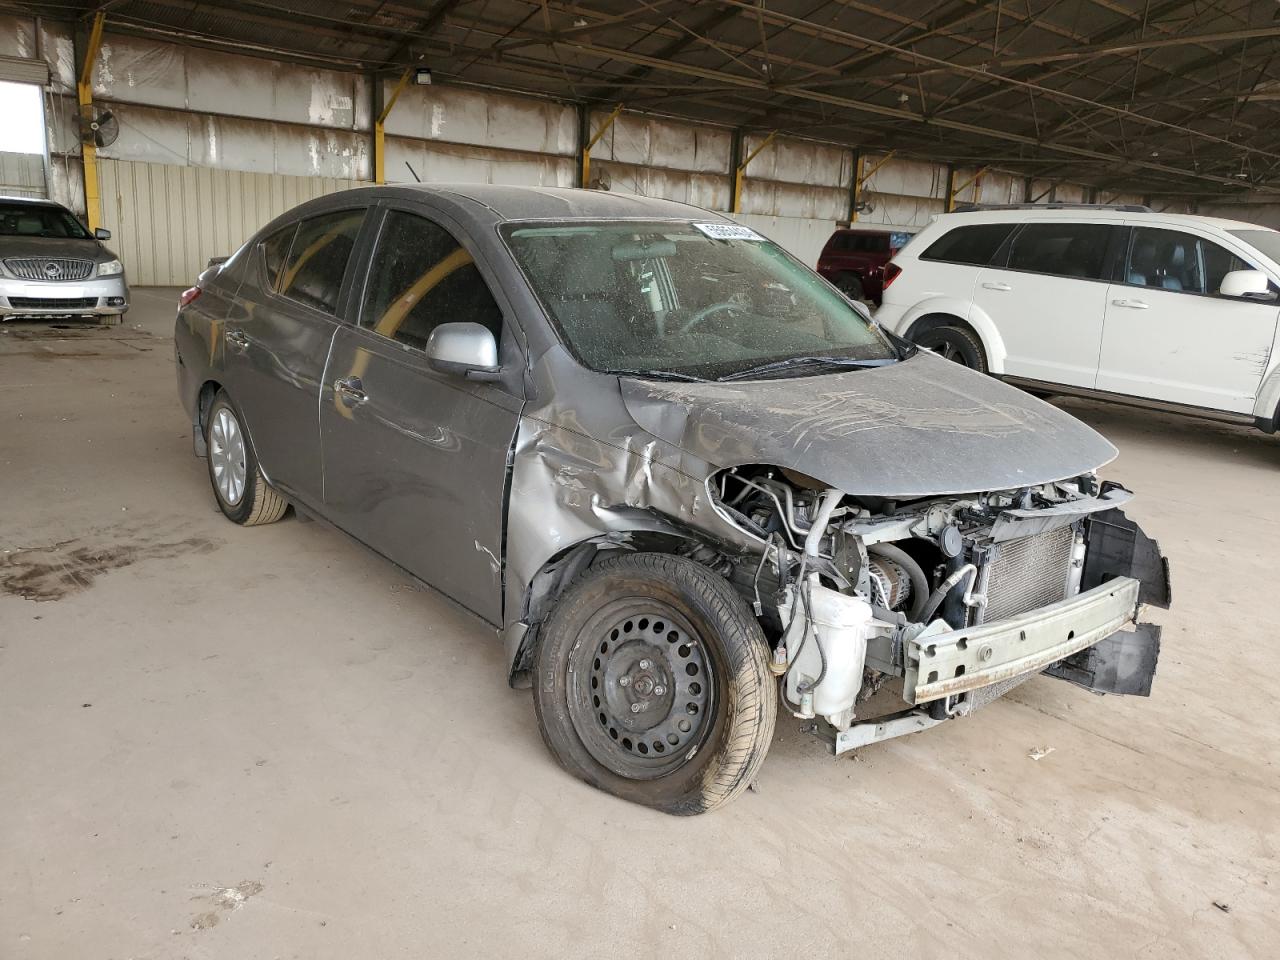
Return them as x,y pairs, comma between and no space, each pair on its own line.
850,286
955,344
653,684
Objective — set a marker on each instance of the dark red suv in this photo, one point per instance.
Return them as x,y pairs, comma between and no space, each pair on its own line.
854,260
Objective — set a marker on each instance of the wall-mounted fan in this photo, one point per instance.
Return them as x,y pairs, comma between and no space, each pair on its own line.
100,130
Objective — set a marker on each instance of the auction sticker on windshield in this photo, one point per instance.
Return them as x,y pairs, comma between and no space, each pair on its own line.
728,231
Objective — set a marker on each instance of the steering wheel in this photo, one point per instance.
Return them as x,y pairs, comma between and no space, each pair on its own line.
705,312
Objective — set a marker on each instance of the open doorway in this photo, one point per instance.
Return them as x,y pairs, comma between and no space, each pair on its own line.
22,141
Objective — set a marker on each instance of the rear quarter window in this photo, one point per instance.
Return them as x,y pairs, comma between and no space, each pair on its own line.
974,244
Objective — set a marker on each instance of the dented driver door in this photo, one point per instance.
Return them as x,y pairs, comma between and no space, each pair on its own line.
415,460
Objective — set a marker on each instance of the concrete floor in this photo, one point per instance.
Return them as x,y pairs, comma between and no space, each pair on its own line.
244,743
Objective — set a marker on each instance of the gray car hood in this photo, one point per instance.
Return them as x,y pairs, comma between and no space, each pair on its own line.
921,427
69,247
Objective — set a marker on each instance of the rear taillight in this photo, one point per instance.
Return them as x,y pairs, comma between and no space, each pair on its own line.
891,272
189,295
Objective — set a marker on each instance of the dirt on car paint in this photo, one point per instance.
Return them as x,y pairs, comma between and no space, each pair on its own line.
60,569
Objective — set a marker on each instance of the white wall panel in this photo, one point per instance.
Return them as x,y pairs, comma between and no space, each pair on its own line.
484,119
17,37
22,174
460,163
168,220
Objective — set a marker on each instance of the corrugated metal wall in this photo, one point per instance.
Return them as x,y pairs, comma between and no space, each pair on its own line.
166,221
22,175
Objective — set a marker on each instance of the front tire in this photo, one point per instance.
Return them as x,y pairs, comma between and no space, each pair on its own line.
850,285
243,494
653,684
955,344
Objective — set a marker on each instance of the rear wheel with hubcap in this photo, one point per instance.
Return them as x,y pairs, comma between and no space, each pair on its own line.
653,684
241,490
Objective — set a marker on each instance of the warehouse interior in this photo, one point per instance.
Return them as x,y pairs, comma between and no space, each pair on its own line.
283,745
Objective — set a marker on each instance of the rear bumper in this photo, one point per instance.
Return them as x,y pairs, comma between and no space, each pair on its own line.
959,661
97,296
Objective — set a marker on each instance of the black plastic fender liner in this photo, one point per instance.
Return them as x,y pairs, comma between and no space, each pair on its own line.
1117,547
1123,663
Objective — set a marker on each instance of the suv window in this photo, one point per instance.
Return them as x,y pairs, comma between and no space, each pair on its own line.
275,250
318,259
1062,249
422,277
1173,260
974,244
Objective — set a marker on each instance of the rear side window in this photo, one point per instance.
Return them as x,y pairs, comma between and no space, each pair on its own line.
318,259
275,250
422,277
975,244
1062,249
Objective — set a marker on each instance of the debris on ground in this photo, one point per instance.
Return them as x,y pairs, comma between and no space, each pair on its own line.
1039,753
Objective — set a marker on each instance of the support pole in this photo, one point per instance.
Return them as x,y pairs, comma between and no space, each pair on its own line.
740,173
855,185
89,150
587,143
860,177
953,190
380,129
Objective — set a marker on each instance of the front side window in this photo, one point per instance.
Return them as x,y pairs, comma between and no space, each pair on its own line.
1165,259
422,277
1062,249
974,244
1218,262
40,220
318,257
275,250
702,300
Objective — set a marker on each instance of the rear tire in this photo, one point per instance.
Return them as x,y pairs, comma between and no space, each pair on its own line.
955,344
653,684
242,492
850,285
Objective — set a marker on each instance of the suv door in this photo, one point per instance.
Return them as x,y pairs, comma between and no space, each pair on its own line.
1170,335
277,338
415,460
1048,298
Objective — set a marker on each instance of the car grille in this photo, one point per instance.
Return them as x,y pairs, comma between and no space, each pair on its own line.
50,268
1028,573
53,303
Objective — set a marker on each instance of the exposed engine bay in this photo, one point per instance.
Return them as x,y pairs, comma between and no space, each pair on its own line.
945,603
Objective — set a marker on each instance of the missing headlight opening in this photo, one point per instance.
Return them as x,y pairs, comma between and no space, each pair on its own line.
939,604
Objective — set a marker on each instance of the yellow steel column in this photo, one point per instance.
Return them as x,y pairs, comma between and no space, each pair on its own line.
741,173
379,128
862,175
89,150
951,193
586,147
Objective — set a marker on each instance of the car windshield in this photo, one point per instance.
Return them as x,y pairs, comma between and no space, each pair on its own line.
1267,242
696,300
39,220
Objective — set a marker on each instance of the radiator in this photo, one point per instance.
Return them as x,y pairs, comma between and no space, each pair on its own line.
1028,573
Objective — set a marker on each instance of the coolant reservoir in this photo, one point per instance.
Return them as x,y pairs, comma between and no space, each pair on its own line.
843,624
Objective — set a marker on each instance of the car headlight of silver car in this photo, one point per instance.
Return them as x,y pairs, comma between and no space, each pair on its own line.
112,268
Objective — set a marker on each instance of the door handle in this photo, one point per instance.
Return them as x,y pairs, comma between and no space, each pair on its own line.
1132,304
237,338
351,390
996,285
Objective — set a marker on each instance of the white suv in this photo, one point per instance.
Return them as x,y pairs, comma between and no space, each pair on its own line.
1173,311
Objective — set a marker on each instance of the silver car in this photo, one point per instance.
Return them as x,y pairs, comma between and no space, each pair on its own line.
51,266
680,473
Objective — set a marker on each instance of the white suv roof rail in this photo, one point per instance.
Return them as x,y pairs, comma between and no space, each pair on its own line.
1124,207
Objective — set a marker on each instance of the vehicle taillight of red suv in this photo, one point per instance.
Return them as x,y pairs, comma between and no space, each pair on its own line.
854,260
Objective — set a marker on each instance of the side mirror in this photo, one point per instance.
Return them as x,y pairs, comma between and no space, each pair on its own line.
102,234
1246,283
466,350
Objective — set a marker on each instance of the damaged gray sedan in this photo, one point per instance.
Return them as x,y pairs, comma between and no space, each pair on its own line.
681,474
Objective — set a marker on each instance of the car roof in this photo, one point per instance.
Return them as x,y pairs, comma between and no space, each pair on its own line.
1093,213
32,201
561,203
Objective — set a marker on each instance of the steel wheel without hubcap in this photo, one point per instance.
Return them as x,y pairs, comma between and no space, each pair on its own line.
644,694
227,456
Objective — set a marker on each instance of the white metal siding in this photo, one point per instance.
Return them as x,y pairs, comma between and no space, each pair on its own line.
22,175
166,221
